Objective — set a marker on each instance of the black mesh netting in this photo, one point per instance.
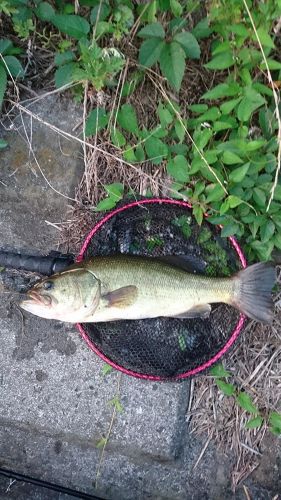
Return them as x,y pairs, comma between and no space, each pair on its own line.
165,347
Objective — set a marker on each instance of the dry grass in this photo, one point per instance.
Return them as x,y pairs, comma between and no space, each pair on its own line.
255,364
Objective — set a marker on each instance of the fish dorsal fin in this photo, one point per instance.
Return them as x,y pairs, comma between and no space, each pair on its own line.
201,311
122,297
185,262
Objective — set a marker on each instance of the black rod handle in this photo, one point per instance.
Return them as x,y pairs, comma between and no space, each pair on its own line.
48,264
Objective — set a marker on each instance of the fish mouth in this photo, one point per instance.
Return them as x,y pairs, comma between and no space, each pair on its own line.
38,299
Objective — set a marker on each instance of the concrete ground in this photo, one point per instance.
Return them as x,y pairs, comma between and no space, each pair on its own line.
56,404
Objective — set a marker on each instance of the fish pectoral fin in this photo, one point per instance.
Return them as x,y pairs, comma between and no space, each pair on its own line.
122,297
202,311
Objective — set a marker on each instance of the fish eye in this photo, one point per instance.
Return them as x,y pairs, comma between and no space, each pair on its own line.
48,285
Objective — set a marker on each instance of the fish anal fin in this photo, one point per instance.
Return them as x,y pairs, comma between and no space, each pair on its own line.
122,297
201,311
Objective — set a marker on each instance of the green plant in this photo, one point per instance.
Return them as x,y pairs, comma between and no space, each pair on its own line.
24,28
106,369
7,8
112,18
95,65
9,65
244,400
115,194
170,49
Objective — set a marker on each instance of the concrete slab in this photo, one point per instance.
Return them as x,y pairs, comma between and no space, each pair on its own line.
52,387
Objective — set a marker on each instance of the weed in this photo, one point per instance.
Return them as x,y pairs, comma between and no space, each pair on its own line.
271,418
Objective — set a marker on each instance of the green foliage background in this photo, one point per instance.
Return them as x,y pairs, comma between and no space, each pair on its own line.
221,153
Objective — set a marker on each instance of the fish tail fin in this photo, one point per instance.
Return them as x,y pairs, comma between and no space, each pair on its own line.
253,294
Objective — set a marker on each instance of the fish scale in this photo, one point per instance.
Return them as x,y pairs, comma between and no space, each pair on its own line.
163,290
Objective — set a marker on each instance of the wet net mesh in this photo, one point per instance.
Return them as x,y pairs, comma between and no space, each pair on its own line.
165,347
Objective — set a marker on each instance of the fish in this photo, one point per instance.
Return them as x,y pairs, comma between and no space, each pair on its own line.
126,287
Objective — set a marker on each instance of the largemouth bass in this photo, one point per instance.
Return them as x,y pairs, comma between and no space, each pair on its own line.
130,287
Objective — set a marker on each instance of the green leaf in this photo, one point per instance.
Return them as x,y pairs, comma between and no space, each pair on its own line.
211,115
273,65
129,155
263,249
139,153
219,47
64,74
3,84
223,125
225,206
267,122
198,108
132,82
202,29
216,193
188,43
150,51
178,168
176,8
154,30
221,61
97,120
250,146
105,204
222,90
275,420
117,138
237,175
219,371
99,13
115,190
45,11
127,119
5,46
156,150
106,369
198,214
254,423
267,230
202,137
3,143
259,197
72,25
228,106
239,29
262,89
234,201
227,389
180,130
275,430
14,66
172,63
117,404
230,158
251,101
165,115
264,37
229,229
64,57
277,193
276,239
245,401
102,442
